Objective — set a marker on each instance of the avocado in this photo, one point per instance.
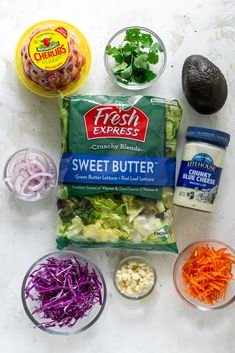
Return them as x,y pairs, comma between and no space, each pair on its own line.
204,85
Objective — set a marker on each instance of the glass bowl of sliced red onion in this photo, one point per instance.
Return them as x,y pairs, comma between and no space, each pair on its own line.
64,293
30,174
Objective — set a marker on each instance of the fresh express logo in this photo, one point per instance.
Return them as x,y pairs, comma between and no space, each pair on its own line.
109,120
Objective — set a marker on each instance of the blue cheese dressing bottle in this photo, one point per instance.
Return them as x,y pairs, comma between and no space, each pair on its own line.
201,168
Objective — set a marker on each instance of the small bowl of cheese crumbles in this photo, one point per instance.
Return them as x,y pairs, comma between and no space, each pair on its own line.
134,277
53,56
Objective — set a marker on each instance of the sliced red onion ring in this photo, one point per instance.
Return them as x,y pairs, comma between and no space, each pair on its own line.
30,174
18,183
37,187
35,165
19,171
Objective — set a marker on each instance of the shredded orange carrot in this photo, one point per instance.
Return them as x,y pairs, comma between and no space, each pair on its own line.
207,273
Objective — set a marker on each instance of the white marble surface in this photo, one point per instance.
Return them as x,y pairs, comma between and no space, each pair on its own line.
161,323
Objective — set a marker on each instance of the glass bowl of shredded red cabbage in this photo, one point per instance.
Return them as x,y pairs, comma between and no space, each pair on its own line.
64,293
30,174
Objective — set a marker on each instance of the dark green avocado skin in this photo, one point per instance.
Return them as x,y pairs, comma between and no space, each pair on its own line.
204,85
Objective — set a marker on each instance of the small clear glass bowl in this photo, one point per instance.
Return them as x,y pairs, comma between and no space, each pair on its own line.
181,287
158,68
138,259
13,166
82,324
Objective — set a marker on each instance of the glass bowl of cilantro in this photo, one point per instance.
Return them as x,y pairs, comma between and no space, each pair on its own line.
135,57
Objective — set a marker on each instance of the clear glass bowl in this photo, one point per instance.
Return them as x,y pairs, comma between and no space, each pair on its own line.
82,324
138,259
180,286
27,157
116,40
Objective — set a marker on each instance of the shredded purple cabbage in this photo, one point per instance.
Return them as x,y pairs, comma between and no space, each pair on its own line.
65,291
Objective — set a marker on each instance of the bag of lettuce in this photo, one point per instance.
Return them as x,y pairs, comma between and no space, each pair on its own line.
117,172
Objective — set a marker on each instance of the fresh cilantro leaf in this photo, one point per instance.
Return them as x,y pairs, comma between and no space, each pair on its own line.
156,47
129,48
153,58
141,62
150,75
140,52
139,77
118,58
122,80
132,35
127,72
115,53
118,68
146,40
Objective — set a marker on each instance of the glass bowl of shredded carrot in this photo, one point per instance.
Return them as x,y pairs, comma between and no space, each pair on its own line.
204,275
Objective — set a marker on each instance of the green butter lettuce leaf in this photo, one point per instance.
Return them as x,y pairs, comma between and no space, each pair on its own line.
173,119
167,197
97,232
62,192
75,228
133,206
64,118
147,224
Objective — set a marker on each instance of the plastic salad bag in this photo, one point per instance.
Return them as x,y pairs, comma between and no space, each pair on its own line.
117,172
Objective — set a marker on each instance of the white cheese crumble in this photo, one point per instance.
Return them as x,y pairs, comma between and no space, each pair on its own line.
134,279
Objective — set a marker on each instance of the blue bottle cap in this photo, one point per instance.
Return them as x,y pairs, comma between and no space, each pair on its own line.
215,137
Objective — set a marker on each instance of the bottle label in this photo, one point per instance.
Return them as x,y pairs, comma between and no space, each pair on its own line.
201,174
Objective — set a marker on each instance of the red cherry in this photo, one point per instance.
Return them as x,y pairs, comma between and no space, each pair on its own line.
70,57
75,51
82,60
46,42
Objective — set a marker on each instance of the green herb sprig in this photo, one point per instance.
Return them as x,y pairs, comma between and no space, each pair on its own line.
134,56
